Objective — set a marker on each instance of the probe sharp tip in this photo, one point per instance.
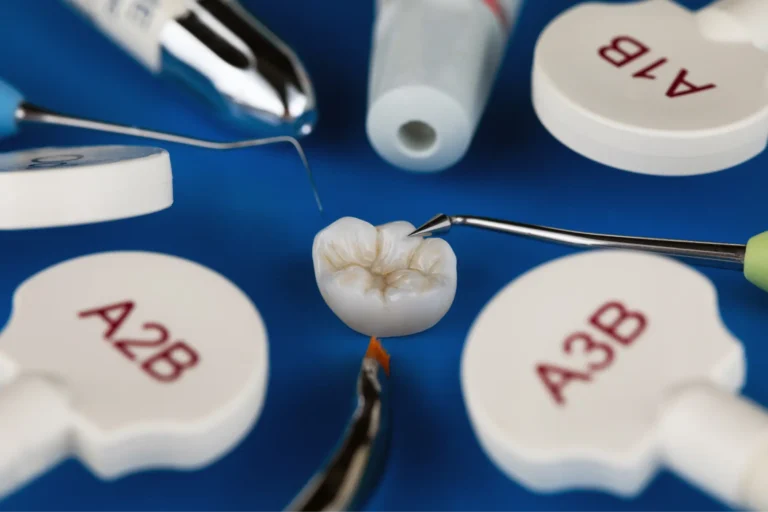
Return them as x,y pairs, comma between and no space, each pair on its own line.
438,224
310,175
318,201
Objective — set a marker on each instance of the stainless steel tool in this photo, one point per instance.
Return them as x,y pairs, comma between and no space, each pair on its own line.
348,478
717,254
14,111
220,51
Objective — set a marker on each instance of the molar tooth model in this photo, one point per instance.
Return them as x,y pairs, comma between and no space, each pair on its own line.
381,282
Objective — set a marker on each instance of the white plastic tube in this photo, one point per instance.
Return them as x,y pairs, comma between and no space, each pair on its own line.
433,65
736,21
134,25
718,442
35,424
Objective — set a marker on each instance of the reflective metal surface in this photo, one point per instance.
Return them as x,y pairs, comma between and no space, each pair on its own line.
350,475
31,113
240,67
715,254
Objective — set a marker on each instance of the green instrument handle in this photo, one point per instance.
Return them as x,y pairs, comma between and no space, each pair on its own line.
756,261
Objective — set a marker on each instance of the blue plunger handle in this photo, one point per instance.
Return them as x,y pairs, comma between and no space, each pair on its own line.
10,99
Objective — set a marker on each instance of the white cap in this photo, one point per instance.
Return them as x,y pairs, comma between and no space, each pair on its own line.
432,68
652,87
51,187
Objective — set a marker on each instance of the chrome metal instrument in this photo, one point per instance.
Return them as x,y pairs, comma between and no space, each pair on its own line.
346,481
14,110
218,50
716,254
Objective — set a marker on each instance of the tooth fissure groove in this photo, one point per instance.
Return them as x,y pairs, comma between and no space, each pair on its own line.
381,282
378,273
378,284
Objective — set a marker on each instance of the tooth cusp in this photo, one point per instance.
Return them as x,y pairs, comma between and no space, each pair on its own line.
379,281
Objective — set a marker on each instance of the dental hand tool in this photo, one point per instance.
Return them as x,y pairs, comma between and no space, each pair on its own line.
100,360
219,51
751,258
354,468
433,65
54,187
654,88
14,111
596,370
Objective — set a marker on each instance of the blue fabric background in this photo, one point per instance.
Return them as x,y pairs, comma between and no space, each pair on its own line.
250,215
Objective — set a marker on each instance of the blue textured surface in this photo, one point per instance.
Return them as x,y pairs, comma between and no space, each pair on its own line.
250,216
10,99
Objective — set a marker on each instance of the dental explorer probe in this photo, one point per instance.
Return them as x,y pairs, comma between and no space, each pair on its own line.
14,110
750,258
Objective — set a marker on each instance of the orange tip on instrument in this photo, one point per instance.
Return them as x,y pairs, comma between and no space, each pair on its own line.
377,352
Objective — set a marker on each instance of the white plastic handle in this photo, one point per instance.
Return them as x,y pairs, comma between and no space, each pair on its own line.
736,21
719,442
35,427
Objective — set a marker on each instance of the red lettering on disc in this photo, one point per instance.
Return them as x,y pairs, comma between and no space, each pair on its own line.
612,326
646,71
166,366
162,337
123,309
588,346
681,87
623,50
547,373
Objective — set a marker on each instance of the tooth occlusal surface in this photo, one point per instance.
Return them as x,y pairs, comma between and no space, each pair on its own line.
379,281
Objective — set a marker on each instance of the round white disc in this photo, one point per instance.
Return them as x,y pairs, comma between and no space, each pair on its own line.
164,361
639,87
566,371
51,187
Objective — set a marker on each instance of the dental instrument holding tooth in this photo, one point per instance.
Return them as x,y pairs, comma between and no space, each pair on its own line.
14,110
433,65
218,50
751,258
352,472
